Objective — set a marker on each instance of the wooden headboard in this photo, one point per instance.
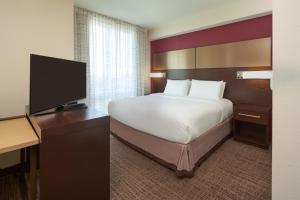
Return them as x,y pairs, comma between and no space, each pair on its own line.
221,62
248,91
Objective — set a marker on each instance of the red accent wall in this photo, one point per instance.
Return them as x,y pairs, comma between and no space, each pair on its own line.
244,30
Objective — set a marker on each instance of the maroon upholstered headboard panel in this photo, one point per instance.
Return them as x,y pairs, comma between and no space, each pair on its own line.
248,91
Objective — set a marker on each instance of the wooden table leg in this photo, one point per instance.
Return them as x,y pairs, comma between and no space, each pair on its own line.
32,192
23,160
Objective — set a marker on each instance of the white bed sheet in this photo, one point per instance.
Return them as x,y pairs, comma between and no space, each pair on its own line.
177,119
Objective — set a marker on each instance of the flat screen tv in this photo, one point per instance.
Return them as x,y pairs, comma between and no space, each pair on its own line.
54,82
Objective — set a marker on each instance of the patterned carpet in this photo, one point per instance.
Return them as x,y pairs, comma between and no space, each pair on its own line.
236,171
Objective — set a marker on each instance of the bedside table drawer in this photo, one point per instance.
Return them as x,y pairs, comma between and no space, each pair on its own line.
250,116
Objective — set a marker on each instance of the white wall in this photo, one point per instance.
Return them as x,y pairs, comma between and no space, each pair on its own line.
286,100
220,14
29,26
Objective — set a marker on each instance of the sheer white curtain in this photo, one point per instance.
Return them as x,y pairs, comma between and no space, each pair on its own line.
115,53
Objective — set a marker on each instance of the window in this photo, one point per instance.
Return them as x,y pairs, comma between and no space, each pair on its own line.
115,56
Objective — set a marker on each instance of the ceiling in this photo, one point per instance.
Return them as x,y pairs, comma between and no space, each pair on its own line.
148,13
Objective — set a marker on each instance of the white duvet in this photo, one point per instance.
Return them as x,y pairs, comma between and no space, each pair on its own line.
177,119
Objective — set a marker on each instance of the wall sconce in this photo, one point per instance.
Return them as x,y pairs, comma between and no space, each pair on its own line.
255,75
157,75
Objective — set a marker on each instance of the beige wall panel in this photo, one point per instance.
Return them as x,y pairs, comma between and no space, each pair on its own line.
180,59
186,59
172,60
160,61
286,104
251,53
42,27
33,26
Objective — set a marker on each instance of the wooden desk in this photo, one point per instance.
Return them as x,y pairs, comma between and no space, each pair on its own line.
16,134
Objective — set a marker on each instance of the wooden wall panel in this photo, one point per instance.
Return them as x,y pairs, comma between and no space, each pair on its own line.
180,59
250,53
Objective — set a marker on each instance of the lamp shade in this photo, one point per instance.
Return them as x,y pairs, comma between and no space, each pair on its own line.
157,75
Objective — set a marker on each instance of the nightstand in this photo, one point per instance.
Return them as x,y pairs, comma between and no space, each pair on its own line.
252,124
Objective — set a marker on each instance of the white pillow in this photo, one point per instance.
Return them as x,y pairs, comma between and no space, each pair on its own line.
177,87
222,89
207,89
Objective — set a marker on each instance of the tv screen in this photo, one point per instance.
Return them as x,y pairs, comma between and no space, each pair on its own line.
54,82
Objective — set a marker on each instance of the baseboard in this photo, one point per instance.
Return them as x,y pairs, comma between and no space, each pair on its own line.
14,117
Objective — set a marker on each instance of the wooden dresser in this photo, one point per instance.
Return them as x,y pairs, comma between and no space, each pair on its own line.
73,154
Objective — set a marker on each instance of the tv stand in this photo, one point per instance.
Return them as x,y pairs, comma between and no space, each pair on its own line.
73,154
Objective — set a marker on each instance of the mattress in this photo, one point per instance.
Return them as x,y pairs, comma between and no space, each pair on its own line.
176,119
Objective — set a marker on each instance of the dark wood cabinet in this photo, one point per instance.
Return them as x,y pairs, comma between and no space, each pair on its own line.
252,124
73,155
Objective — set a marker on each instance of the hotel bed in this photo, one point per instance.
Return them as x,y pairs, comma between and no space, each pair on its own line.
177,131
